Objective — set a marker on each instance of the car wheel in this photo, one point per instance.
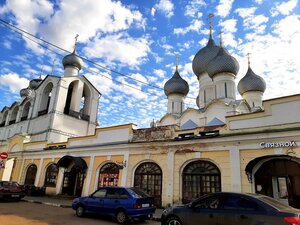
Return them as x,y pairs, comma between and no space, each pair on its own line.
173,221
80,211
121,217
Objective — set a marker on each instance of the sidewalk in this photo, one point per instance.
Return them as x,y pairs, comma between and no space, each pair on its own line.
60,201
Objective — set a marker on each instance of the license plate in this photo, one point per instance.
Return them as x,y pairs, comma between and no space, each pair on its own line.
15,196
145,205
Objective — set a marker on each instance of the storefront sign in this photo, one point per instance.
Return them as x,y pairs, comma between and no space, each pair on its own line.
278,144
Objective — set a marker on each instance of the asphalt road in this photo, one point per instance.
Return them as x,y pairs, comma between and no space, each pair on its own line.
26,213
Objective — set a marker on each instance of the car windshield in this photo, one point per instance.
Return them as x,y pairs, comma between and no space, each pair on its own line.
137,193
274,203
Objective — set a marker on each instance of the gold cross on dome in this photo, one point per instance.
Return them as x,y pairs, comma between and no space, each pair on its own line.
210,16
220,33
248,55
76,37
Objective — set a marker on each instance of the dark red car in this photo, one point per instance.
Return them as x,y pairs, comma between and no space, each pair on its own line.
11,190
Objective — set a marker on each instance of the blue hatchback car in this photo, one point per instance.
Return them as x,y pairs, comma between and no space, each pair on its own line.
123,203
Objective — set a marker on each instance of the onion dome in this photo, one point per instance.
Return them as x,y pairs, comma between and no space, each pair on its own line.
223,63
25,92
33,84
204,56
72,60
251,82
176,85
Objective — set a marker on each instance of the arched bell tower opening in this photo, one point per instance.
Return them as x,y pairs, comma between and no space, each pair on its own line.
45,99
78,100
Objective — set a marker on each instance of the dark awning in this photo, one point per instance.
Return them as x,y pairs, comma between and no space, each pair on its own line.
67,160
250,166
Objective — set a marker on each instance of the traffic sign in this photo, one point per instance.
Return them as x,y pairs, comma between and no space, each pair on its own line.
3,155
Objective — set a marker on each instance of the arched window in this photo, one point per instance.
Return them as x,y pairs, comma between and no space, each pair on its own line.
13,116
45,100
2,124
199,178
30,175
108,175
148,177
25,111
51,175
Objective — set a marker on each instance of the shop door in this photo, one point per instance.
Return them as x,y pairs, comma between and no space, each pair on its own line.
280,189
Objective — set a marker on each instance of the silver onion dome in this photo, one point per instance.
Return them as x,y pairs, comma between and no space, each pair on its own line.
25,92
222,63
204,56
251,82
34,83
72,60
176,85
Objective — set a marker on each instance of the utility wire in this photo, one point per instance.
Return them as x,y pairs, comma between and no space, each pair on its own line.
22,32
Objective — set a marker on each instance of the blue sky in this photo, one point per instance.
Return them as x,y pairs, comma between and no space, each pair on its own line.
141,39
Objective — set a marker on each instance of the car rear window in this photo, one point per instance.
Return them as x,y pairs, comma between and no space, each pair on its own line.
137,193
275,204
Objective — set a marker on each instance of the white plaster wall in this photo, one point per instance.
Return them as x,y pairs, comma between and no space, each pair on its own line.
177,101
191,114
253,98
220,81
168,120
281,114
106,136
218,110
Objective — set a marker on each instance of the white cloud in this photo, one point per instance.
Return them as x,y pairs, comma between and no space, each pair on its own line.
275,56
139,77
194,26
103,82
259,1
118,47
14,82
6,44
228,28
224,8
194,8
251,21
159,72
285,8
165,7
61,26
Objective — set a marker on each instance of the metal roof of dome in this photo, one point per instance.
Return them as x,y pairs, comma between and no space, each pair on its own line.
204,56
34,83
72,60
223,62
251,82
25,92
176,85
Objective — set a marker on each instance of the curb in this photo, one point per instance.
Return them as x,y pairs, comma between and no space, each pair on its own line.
47,203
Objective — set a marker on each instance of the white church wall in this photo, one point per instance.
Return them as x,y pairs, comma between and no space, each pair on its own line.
191,114
104,136
280,113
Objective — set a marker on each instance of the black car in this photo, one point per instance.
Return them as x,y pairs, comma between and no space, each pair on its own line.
11,190
232,209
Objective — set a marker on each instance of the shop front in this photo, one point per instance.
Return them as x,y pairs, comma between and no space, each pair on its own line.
277,176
